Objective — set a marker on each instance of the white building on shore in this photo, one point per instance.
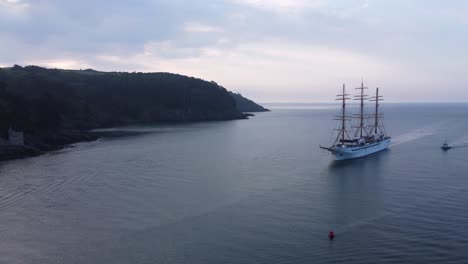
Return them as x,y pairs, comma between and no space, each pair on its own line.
15,137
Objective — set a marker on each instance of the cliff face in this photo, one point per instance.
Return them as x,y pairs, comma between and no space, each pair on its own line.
245,105
38,99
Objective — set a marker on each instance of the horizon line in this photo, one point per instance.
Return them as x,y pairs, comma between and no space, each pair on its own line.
387,102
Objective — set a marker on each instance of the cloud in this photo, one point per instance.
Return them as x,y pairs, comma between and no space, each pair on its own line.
365,4
256,45
303,70
13,7
197,27
14,3
282,5
61,63
167,49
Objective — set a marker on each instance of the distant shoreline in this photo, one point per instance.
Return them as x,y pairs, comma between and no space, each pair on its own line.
53,108
65,139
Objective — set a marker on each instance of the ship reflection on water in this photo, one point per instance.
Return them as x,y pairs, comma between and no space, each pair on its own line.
356,192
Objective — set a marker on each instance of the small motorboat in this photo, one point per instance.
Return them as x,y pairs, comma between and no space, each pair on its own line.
446,146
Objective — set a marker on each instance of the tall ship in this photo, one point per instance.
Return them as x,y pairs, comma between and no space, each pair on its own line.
367,136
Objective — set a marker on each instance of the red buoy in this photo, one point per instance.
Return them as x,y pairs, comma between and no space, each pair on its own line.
331,235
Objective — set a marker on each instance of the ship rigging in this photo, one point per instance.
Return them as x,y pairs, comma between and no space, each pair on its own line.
365,140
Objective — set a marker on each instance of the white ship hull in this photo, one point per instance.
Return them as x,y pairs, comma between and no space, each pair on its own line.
368,139
359,151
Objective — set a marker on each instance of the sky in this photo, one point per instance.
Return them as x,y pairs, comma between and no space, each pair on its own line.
268,50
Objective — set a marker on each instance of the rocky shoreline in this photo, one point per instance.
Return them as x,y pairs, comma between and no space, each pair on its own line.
38,144
10,152
48,109
47,141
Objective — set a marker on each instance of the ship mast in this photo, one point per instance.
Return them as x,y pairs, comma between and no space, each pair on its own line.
376,99
342,97
361,97
376,124
343,116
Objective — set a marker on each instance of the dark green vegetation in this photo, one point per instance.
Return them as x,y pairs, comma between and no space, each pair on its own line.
245,105
51,105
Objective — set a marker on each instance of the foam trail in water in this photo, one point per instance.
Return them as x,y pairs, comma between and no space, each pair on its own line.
461,142
415,134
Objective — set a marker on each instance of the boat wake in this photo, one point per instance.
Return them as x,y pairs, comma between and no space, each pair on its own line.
460,146
460,143
415,134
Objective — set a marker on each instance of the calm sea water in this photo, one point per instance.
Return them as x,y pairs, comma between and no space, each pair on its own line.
248,191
